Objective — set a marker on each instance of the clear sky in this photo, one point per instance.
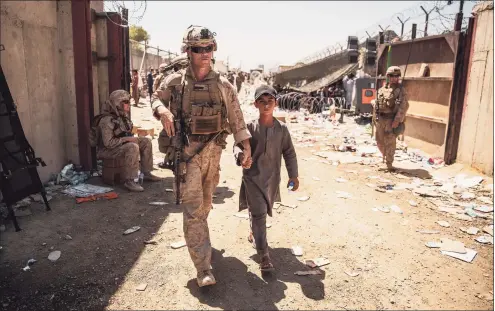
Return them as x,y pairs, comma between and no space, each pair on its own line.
267,32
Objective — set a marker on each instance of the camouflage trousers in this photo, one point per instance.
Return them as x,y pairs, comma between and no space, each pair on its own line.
135,94
136,156
386,140
202,177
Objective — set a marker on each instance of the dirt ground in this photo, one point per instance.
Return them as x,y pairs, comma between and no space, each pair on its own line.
100,268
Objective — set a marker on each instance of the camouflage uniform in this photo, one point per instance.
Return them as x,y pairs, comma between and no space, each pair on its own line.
112,126
391,105
159,78
213,98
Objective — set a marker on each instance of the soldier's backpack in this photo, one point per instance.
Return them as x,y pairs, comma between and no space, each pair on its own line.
94,133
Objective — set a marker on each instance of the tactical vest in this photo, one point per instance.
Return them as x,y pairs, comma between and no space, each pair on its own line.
387,99
203,106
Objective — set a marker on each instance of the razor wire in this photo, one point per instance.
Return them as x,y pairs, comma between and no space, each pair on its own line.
135,9
441,20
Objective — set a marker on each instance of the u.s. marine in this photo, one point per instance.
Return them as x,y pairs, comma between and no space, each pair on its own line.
210,110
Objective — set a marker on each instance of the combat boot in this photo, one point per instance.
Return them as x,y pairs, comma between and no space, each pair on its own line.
390,167
205,278
150,177
132,186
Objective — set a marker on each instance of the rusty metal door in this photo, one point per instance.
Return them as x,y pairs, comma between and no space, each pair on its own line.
115,36
432,120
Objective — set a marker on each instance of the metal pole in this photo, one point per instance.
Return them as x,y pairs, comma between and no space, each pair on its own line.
402,25
413,32
382,38
142,60
459,16
426,20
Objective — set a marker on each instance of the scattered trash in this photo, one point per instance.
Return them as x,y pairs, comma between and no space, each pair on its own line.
425,231
465,183
242,215
310,272
85,190
150,242
179,244
343,195
371,185
297,250
413,203
30,262
54,256
285,204
132,230
395,209
316,178
452,246
340,180
268,225
68,237
317,262
304,198
435,161
169,190
69,175
102,196
141,287
470,230
380,190
467,196
463,217
483,208
158,203
488,229
467,257
383,209
485,239
352,273
443,223
426,192
433,244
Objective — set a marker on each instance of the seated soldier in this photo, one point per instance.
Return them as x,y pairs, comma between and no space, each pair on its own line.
115,140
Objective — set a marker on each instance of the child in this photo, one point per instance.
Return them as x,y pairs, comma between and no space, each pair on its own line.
261,178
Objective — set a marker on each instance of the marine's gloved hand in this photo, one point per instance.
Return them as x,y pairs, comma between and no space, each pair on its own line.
395,124
167,119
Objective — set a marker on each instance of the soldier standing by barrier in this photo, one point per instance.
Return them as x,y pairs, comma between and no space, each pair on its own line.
158,79
205,109
390,110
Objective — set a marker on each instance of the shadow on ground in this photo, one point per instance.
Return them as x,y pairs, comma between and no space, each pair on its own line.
93,264
222,193
239,289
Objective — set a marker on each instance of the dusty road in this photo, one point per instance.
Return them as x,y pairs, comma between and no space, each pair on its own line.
390,265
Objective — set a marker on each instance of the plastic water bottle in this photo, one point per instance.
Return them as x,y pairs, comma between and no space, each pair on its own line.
141,178
291,186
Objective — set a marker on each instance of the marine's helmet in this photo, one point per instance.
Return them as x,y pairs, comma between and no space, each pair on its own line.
393,70
162,67
196,35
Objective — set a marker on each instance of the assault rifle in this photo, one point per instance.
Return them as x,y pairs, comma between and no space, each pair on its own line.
181,141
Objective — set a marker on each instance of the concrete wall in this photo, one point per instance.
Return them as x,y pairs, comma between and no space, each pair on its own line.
151,59
38,62
476,138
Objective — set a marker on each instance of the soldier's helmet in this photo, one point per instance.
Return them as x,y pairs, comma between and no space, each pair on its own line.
162,66
393,70
198,35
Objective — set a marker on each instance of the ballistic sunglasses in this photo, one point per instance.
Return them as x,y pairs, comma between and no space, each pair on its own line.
201,49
